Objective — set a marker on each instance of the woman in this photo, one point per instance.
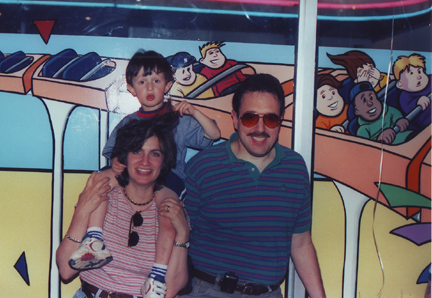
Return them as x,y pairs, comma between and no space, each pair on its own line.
131,222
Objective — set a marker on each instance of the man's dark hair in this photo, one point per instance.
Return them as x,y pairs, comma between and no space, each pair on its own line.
259,83
151,61
133,135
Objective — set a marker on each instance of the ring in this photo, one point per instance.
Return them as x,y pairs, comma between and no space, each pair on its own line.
168,206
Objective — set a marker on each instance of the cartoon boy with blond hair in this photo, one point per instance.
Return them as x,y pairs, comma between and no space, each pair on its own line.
215,62
415,87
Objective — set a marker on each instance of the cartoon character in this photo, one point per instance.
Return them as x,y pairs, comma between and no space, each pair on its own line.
331,107
415,87
215,62
360,68
186,79
370,113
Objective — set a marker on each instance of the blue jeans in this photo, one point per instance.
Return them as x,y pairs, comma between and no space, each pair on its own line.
205,289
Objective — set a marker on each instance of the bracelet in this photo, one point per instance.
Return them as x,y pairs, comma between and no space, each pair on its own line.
72,239
180,244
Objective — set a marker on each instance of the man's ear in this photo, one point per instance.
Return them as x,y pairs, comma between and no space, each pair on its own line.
131,89
235,119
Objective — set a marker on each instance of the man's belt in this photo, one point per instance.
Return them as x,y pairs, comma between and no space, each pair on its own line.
248,288
88,288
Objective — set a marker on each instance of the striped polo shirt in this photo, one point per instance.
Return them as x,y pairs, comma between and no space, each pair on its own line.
243,220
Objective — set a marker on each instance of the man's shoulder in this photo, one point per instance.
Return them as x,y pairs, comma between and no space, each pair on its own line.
208,156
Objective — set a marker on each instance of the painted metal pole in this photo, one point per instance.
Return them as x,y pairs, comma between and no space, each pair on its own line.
303,106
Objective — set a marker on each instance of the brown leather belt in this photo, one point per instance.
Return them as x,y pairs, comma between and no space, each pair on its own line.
90,289
248,288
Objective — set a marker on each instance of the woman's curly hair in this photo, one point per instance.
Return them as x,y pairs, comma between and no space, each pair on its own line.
133,135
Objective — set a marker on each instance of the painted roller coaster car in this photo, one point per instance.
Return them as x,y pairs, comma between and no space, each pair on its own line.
219,108
88,80
16,71
356,162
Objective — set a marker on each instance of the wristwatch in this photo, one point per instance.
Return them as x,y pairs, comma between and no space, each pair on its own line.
184,244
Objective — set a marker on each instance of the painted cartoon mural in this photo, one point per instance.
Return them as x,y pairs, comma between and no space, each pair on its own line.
61,96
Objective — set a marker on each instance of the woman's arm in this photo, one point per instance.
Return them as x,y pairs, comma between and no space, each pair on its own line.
93,194
177,276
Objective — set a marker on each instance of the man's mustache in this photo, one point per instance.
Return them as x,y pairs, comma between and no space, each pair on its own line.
259,134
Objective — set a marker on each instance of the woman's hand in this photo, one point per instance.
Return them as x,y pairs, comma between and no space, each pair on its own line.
173,209
94,193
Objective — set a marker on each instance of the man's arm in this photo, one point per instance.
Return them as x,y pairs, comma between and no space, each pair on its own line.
305,261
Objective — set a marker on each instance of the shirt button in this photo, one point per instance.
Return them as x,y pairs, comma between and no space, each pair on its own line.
253,169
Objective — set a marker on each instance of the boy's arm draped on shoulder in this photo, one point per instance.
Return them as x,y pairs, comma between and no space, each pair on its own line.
210,128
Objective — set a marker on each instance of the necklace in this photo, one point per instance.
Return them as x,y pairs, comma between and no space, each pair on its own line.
135,203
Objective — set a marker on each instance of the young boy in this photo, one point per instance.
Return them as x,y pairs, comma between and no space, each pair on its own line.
331,107
415,87
149,78
369,111
186,79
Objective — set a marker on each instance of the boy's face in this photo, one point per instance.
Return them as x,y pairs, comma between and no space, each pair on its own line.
150,89
185,75
413,79
329,101
213,58
367,106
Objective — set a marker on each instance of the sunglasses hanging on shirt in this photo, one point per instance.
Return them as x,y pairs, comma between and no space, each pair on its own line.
136,220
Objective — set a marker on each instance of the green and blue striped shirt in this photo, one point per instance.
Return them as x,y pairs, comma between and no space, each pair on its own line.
243,220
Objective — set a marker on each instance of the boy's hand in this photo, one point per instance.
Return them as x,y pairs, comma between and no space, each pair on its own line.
117,166
403,124
387,136
338,128
424,102
184,108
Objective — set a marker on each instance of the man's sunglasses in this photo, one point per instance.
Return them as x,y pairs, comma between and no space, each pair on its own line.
137,220
251,119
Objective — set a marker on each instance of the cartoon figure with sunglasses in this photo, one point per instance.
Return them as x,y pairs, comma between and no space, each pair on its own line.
131,222
249,204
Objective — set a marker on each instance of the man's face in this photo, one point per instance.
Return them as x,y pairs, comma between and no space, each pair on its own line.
213,58
367,105
258,140
329,101
185,75
413,79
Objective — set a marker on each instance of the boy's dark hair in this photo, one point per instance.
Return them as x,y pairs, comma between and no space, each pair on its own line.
151,61
133,135
259,83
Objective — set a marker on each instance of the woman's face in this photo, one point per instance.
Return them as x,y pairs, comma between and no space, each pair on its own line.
144,165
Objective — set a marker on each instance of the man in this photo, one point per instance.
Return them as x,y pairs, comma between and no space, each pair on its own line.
249,204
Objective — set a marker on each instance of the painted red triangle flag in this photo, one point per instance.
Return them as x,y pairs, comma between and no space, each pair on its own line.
45,28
